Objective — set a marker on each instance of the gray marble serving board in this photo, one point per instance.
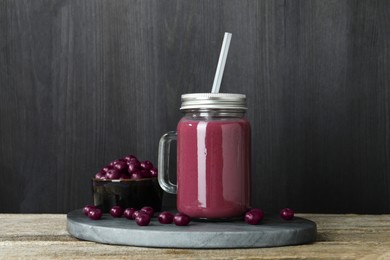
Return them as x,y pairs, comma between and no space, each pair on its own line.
120,231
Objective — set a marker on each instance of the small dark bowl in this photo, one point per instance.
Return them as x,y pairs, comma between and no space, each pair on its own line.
127,193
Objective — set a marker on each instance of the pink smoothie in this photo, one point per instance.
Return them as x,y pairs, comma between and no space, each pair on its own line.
213,167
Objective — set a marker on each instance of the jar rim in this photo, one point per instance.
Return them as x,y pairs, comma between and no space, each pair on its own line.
213,101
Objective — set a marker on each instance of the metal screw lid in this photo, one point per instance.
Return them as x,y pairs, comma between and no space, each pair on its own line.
213,101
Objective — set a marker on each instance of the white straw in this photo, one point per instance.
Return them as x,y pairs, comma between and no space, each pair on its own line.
221,62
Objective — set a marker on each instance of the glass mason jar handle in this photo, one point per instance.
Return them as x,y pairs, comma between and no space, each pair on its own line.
163,162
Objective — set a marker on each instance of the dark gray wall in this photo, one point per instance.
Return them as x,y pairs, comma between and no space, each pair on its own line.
84,82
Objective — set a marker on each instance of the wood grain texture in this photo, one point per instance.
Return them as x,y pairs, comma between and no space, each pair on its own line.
85,82
44,236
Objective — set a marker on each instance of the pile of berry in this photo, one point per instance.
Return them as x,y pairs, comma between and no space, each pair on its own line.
128,167
143,216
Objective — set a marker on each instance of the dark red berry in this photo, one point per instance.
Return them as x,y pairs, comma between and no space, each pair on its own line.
133,160
136,213
286,213
106,168
165,217
100,175
113,174
129,157
142,219
116,212
153,172
148,210
134,166
121,166
181,219
147,165
115,162
87,209
259,212
136,175
253,217
128,213
95,214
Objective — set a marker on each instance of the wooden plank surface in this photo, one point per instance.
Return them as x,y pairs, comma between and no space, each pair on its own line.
83,82
339,237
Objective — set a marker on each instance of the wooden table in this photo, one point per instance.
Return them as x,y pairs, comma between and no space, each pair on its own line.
339,236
